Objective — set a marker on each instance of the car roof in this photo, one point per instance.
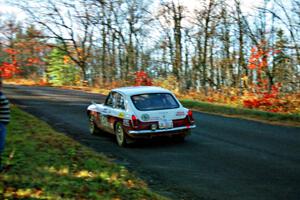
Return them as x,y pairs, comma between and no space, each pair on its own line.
134,90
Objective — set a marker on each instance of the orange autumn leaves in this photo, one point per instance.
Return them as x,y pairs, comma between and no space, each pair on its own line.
258,93
262,94
21,54
142,78
8,69
259,56
16,59
270,100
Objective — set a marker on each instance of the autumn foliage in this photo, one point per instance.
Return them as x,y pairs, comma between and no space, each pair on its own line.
9,69
142,78
263,94
23,55
259,93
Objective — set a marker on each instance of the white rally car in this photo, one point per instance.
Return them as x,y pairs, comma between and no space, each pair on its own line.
140,112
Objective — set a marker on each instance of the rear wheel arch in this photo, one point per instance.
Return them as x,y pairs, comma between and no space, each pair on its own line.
93,128
88,112
117,121
118,129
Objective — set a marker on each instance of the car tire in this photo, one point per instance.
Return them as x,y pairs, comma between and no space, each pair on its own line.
93,129
120,135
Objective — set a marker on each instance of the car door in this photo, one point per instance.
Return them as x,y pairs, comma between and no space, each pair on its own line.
105,116
113,110
119,107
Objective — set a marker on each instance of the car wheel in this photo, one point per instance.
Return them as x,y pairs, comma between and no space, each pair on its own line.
120,135
92,126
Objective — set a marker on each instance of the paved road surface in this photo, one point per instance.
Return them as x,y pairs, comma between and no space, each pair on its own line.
225,158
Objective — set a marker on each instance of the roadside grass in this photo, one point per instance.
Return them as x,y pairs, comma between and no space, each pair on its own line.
276,118
41,163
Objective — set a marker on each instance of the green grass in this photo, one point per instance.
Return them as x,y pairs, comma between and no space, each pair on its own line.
44,164
241,112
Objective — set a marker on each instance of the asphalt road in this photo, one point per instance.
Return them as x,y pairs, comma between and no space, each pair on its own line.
224,158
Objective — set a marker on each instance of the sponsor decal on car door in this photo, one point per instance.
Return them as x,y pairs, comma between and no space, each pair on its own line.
103,117
107,112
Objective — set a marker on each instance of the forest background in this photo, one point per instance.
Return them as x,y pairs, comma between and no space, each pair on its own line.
212,51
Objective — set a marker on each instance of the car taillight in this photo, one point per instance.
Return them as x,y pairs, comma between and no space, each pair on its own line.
190,116
134,121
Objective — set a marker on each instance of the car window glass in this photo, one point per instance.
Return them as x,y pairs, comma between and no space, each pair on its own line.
109,100
119,101
154,101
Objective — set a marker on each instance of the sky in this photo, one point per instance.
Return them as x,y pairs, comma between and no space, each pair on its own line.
6,9
247,6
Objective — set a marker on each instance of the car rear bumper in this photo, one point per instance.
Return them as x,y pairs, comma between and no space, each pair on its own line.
184,130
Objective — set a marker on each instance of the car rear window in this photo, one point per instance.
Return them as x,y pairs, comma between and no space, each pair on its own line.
154,101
